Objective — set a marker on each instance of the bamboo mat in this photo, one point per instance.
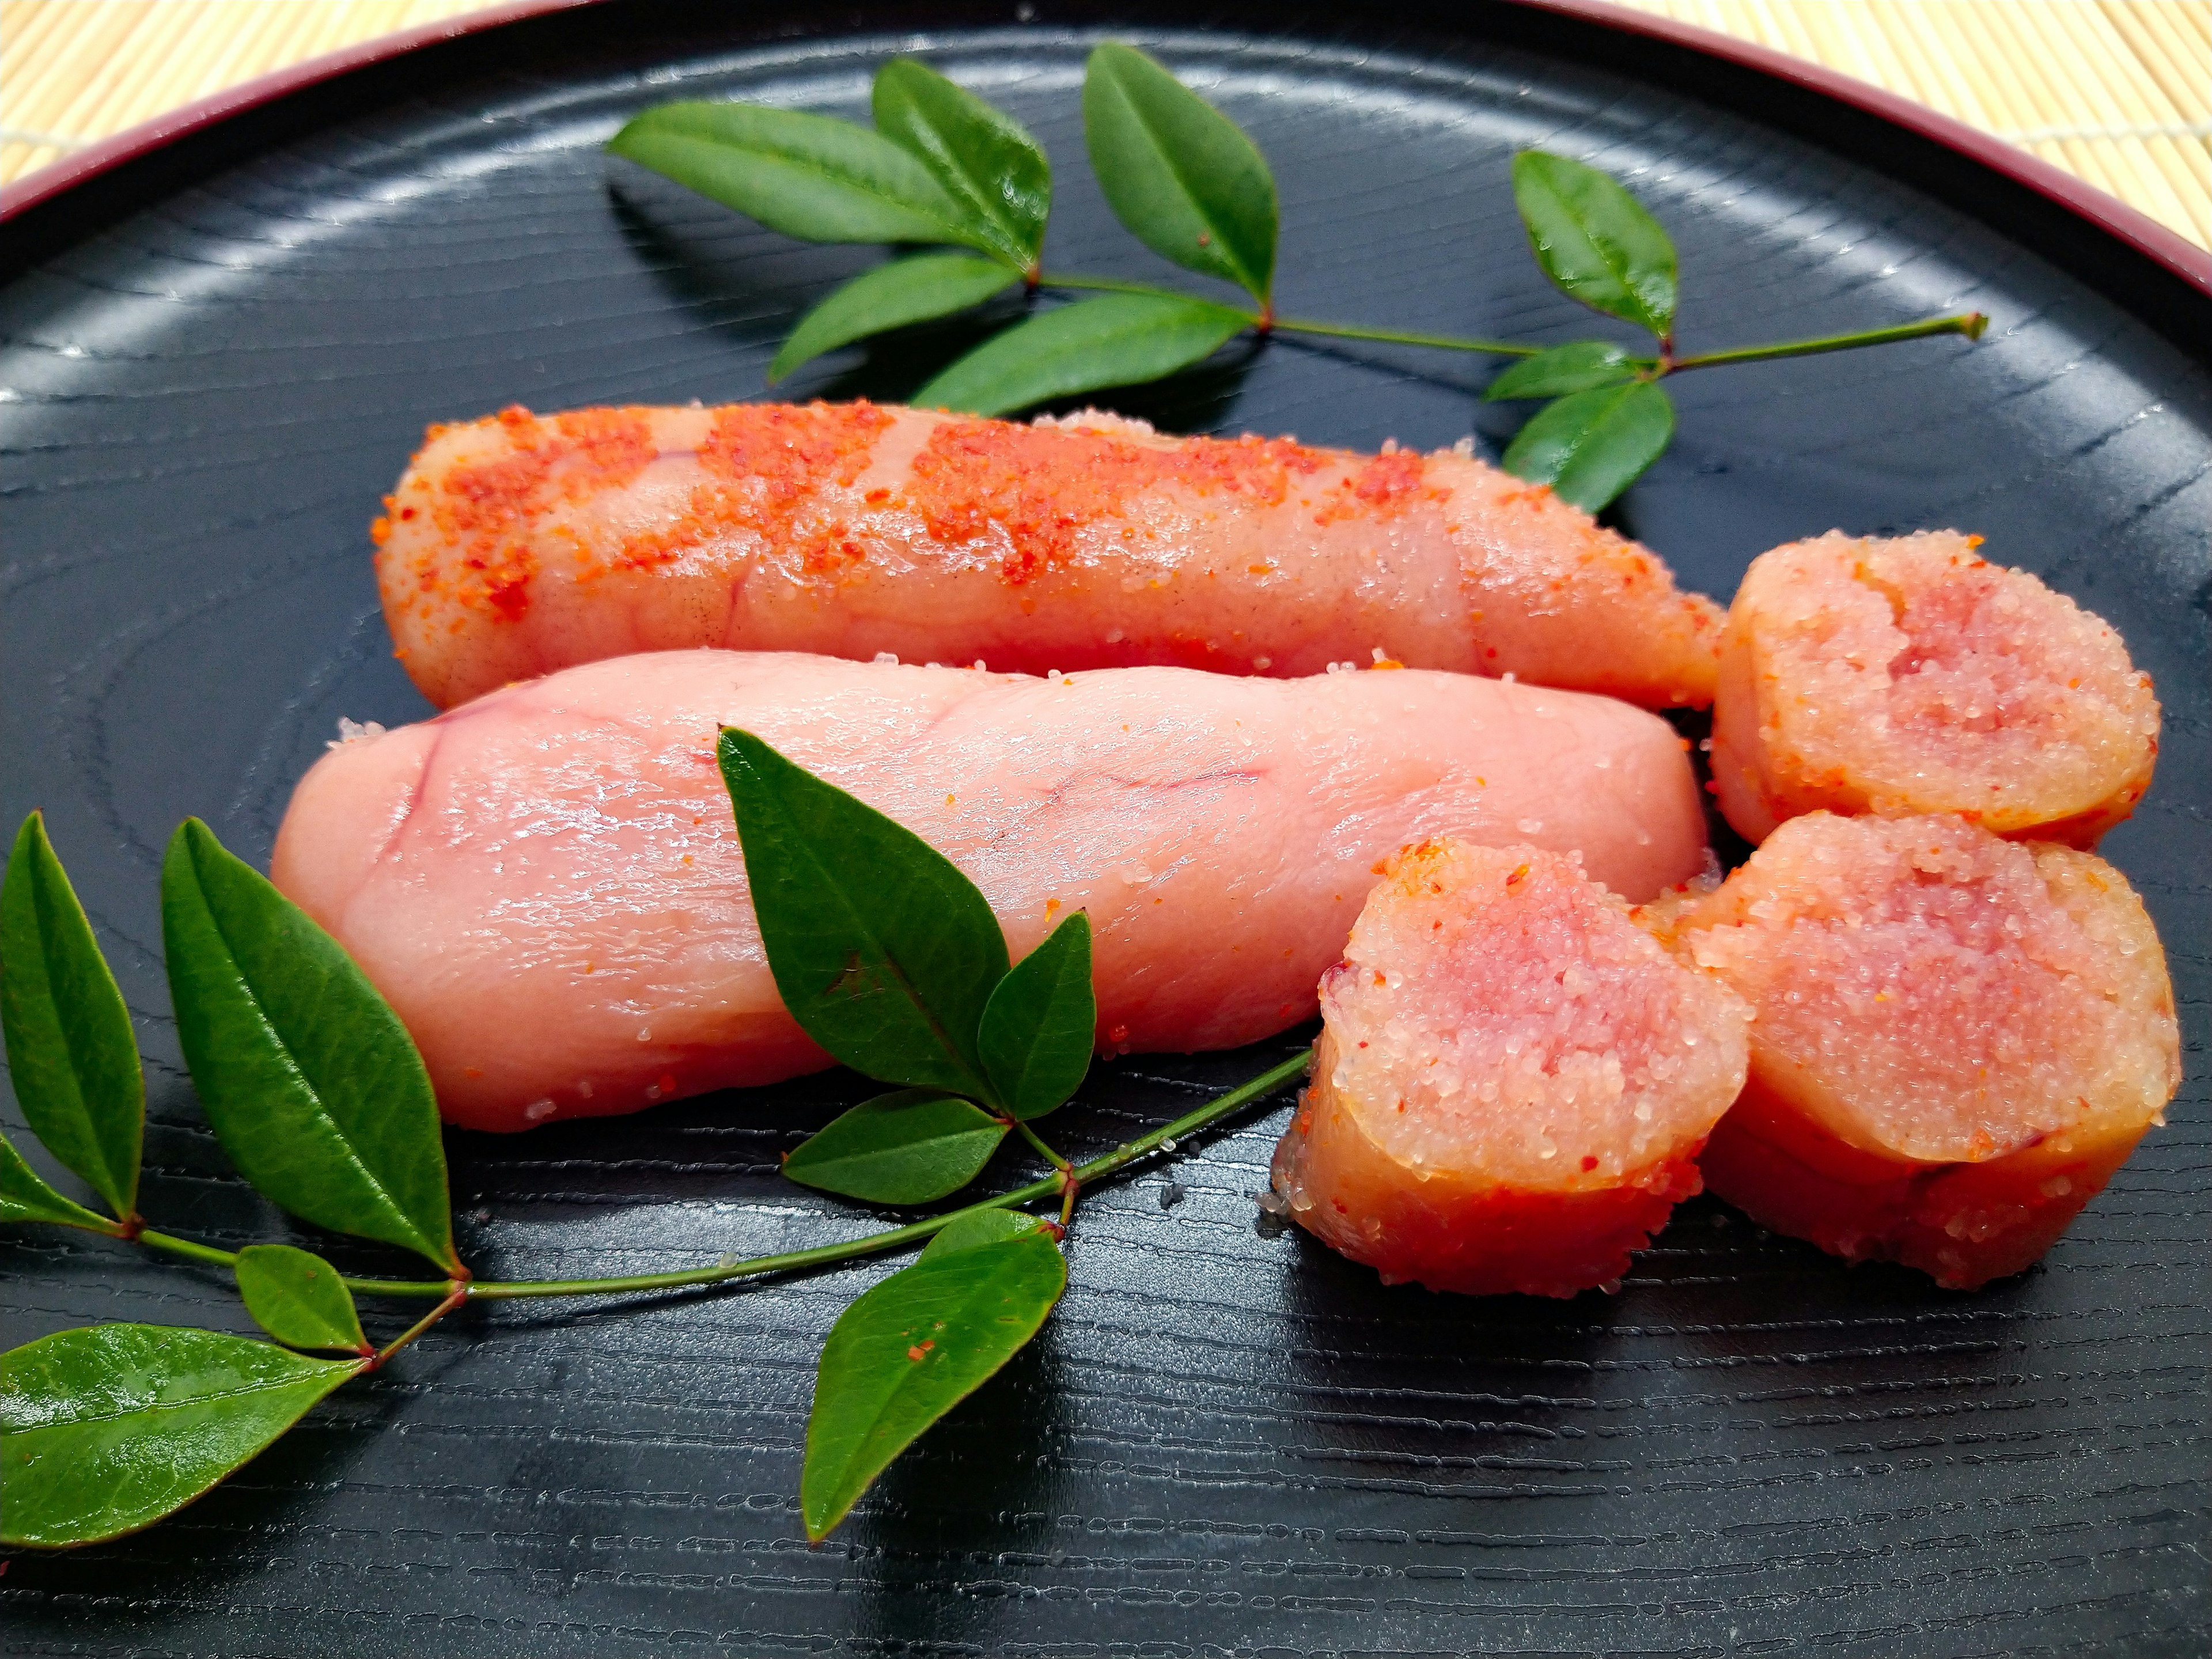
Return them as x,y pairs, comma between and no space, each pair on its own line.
2117,92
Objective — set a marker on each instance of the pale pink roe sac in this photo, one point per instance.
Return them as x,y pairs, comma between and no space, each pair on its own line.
1513,1079
1957,1038
1910,675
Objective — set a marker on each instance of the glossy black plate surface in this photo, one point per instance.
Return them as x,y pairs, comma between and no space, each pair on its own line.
1229,1440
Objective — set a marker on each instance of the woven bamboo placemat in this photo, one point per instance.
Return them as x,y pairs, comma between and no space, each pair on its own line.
2117,92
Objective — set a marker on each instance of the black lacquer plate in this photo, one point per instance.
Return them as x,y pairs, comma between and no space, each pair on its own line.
1229,1440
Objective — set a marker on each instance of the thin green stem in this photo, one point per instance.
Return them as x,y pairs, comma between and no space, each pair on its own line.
1400,336
1055,1186
456,1293
1970,323
1044,1151
1113,285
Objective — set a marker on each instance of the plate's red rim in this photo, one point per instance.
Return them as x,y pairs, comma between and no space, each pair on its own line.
2138,230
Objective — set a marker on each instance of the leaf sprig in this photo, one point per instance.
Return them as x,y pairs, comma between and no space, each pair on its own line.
886,954
943,167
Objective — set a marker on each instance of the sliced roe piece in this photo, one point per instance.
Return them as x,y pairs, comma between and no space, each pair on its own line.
1910,675
1513,1078
1956,1038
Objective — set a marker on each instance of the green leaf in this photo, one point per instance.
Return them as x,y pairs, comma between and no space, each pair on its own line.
884,952
1582,367
1122,340
910,1147
1041,1023
70,1052
1594,240
909,1350
911,290
298,1298
809,176
983,1227
312,1085
108,1428
24,1197
1593,445
984,158
1179,174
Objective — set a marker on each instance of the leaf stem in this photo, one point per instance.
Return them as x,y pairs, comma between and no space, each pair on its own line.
1053,1186
1115,285
1400,336
456,1293
1970,323
1044,1151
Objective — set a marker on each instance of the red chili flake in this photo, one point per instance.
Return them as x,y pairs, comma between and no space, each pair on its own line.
1118,1034
667,1083
1588,1163
915,1354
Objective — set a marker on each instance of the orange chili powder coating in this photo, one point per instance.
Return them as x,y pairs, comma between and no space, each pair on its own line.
488,509
1045,488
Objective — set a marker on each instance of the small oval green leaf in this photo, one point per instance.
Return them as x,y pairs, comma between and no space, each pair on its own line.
24,1197
809,176
1593,445
985,158
910,1147
298,1298
1041,1023
1179,174
883,950
911,290
1594,240
312,1085
108,1428
1582,367
909,1350
981,1227
1121,339
70,1051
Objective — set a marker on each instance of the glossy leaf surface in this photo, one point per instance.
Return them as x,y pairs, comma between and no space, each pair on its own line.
912,1348
72,1054
1120,339
982,157
1041,1023
883,950
1581,366
298,1298
909,290
108,1428
809,176
312,1085
1179,174
984,1227
1592,445
1594,240
24,1197
910,1147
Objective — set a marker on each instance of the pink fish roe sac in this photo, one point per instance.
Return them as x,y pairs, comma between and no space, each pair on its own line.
1956,1039
1907,676
1512,1081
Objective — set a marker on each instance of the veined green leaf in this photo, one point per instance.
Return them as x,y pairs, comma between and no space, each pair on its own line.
1178,173
984,158
108,1428
1591,446
883,950
909,290
1594,240
298,1298
810,176
70,1051
312,1085
983,1227
910,1147
1040,1023
1582,367
1120,339
912,1348
24,1197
